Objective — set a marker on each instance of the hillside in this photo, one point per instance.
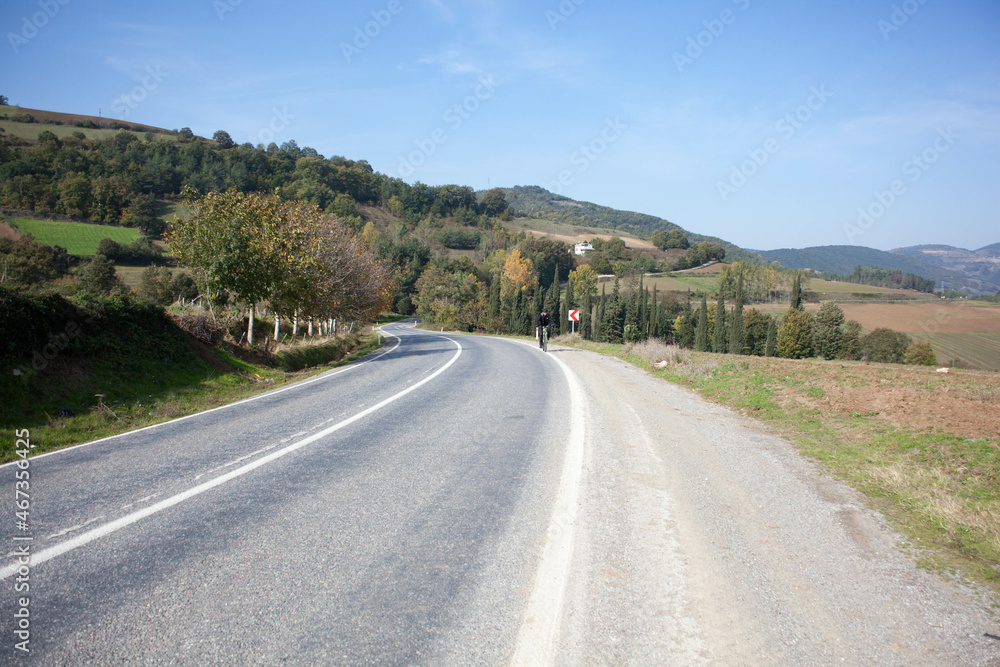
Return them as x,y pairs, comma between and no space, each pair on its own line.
843,258
980,267
27,123
535,202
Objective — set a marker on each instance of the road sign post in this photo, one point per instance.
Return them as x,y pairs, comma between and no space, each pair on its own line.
574,317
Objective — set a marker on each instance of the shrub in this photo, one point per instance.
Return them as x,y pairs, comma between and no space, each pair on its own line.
795,335
885,346
920,353
459,239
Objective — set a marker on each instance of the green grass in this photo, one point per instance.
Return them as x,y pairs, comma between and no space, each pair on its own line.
78,238
30,131
141,389
680,282
980,350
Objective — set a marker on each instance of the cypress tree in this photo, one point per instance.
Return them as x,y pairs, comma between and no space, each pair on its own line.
701,330
796,298
736,326
719,329
772,337
599,319
585,317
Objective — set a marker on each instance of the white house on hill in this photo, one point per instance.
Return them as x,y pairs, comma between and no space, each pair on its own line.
583,248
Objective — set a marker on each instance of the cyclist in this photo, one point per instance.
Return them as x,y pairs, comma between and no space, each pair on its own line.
543,321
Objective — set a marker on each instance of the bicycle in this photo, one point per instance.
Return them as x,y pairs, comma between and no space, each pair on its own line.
544,334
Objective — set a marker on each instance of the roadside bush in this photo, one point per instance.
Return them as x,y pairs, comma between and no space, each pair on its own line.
920,353
885,346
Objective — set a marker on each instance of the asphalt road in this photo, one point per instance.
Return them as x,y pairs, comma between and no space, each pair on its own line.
467,500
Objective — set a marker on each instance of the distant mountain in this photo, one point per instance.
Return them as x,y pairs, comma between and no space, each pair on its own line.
536,202
925,261
981,268
990,250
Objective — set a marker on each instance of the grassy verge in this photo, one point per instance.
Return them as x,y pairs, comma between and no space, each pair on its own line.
940,488
150,391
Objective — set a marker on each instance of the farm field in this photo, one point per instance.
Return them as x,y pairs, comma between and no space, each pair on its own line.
78,238
957,330
559,231
980,349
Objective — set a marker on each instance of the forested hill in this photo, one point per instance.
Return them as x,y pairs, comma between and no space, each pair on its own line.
842,259
536,202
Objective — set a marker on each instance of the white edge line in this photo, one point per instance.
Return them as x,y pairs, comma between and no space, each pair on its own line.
539,631
273,392
118,524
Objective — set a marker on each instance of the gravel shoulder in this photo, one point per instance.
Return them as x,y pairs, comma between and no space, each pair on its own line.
704,538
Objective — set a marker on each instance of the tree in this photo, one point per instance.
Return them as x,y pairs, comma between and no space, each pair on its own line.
827,334
796,296
3,100
494,203
920,353
185,134
755,329
98,277
719,328
850,341
155,285
701,329
736,326
771,341
795,335
223,139
885,346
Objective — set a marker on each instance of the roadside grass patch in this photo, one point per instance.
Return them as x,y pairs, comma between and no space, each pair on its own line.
941,489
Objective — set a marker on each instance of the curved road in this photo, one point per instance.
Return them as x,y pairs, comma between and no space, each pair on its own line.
457,500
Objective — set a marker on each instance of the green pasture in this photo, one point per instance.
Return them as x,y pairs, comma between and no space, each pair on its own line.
79,238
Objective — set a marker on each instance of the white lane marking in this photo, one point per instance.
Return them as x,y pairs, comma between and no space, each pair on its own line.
76,527
295,385
536,639
118,524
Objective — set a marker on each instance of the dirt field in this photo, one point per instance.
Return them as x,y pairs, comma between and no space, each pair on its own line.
917,399
912,318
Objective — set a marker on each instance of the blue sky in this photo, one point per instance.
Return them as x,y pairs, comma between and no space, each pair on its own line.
769,124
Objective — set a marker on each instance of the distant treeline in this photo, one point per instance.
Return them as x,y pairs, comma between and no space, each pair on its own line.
879,277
